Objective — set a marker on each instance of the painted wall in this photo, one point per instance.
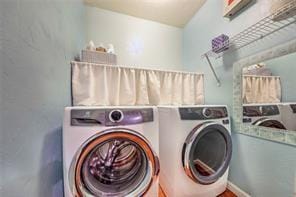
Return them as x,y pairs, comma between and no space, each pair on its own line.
137,41
1,101
39,39
286,68
261,168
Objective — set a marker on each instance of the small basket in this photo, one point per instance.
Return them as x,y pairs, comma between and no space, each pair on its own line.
98,57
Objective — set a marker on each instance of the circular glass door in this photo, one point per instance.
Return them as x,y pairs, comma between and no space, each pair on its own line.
265,122
115,163
207,152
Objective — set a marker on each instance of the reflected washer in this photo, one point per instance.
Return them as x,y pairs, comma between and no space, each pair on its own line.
266,115
195,150
288,113
110,151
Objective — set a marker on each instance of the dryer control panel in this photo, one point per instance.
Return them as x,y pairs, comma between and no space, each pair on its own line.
110,117
202,113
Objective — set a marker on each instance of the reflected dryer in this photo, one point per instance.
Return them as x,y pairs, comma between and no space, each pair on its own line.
110,151
195,150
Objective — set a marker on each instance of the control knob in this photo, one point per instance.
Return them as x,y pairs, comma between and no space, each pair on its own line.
206,112
116,116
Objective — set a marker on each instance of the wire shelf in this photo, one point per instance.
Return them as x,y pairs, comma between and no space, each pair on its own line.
261,29
281,18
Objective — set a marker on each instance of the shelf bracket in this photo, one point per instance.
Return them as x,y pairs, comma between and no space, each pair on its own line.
213,70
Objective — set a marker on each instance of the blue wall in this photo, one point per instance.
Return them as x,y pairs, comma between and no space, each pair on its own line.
285,67
39,38
261,168
1,93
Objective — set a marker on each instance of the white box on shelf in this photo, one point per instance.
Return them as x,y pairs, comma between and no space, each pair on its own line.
98,57
233,6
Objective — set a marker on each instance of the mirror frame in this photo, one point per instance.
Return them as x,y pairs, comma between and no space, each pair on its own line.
282,136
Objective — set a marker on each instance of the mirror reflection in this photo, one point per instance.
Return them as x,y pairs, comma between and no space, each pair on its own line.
269,96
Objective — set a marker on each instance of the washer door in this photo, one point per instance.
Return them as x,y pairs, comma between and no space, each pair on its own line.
207,152
266,122
117,162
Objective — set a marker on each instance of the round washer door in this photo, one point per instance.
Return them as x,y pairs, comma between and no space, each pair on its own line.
116,162
266,122
207,152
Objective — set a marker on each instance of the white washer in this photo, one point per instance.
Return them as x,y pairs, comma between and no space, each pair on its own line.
195,150
110,151
288,112
266,115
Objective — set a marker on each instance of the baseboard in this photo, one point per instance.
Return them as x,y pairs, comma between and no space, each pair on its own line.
236,190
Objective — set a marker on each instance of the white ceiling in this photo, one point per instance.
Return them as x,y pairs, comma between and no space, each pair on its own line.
171,12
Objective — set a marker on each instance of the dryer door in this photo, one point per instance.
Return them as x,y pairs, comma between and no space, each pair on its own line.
116,162
266,122
207,152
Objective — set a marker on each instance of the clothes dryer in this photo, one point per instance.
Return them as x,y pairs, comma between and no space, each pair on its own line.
195,150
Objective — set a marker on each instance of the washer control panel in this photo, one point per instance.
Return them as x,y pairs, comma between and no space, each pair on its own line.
128,116
202,113
110,117
263,110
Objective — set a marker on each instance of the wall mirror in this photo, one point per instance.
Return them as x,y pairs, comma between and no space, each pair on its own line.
265,94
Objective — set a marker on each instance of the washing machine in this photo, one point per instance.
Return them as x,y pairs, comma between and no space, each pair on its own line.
288,112
266,115
195,150
110,151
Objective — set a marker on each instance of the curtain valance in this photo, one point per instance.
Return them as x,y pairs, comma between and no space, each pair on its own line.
96,84
261,89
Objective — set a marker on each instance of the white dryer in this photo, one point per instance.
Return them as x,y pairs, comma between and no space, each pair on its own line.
110,151
265,115
288,113
195,150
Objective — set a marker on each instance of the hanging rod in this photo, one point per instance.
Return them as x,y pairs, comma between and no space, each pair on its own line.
262,76
139,68
258,31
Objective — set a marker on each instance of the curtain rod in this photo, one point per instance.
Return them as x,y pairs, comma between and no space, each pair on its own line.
261,76
138,68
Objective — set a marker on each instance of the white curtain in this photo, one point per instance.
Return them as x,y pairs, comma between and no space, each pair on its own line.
95,84
261,89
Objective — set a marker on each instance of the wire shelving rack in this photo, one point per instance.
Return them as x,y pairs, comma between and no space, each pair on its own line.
280,19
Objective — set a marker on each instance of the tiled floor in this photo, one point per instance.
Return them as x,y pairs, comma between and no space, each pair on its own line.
227,193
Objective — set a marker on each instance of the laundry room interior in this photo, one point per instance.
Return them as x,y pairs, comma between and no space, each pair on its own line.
168,98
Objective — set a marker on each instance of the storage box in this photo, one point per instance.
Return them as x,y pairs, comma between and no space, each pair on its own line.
258,71
220,43
98,57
